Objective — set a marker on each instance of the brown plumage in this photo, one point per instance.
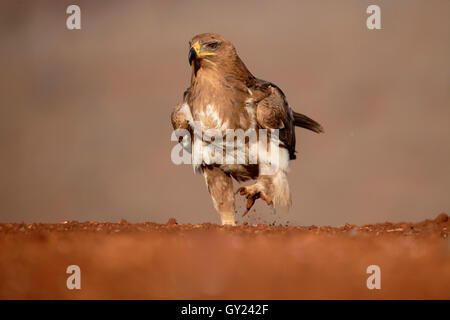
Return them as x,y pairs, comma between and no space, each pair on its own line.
224,95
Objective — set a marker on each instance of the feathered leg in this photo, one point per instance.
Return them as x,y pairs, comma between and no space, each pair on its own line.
220,186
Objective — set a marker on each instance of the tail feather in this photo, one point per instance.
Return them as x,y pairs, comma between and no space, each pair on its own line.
303,121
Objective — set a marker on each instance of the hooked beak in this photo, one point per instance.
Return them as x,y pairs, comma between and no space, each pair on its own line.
195,53
192,55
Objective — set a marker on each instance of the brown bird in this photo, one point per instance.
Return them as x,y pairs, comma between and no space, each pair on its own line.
224,95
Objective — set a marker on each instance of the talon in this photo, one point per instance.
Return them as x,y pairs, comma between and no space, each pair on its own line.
266,198
252,193
250,203
240,190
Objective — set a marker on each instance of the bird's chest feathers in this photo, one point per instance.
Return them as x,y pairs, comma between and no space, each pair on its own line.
217,106
211,116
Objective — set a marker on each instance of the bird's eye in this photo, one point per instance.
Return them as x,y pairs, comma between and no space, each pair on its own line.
212,45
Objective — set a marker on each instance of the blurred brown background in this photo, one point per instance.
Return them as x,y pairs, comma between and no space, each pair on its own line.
84,114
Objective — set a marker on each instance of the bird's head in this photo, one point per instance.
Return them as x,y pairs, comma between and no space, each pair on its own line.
209,47
209,51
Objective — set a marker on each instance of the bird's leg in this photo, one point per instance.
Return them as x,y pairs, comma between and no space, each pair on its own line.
220,186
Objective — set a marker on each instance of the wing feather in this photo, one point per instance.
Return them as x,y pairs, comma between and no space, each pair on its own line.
273,112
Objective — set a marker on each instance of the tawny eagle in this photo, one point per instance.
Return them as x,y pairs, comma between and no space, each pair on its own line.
224,95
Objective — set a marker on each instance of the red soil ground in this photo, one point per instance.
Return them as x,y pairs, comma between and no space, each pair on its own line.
207,261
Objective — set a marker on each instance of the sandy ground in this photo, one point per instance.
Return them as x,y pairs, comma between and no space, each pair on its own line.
207,261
